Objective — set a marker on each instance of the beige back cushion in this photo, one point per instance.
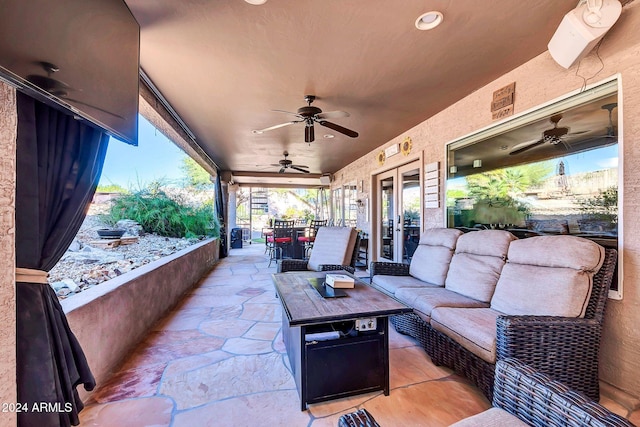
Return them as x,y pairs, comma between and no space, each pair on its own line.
477,263
431,259
548,276
333,245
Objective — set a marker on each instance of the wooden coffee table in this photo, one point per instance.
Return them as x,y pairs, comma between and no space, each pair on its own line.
337,347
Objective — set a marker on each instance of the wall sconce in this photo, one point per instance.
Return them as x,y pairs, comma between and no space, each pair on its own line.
453,169
477,163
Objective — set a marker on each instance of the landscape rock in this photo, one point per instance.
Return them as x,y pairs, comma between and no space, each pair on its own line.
75,246
131,227
89,266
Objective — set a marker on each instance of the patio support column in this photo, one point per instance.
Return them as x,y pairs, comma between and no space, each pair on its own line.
8,135
233,192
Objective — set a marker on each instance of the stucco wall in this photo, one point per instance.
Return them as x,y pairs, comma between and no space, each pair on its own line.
8,123
537,82
110,319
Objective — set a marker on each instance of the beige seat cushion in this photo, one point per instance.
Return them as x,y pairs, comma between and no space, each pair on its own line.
472,328
548,276
477,263
391,284
430,261
425,300
492,417
333,245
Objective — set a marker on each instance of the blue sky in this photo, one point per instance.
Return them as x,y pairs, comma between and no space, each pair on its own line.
155,157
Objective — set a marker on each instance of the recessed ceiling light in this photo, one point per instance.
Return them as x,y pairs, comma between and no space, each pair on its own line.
256,2
328,136
429,20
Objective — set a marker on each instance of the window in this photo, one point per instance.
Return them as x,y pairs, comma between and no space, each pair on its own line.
554,171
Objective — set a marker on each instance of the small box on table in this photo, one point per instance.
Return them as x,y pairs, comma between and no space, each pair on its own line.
339,281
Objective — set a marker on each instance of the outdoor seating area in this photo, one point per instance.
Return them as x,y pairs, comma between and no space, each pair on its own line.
475,302
346,214
218,358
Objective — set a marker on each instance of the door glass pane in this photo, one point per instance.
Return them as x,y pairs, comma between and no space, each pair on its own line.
350,206
410,213
337,207
386,218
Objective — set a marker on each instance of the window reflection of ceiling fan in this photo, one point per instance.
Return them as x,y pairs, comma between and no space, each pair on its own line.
58,88
556,134
288,164
310,115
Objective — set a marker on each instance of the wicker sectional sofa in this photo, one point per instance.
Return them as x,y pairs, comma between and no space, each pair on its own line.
485,295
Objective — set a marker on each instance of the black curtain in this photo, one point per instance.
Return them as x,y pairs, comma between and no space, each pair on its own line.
220,214
59,161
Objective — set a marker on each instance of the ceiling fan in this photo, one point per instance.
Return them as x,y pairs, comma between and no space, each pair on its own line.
552,136
288,164
555,135
310,115
58,88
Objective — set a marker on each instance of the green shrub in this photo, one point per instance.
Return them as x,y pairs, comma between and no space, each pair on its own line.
161,214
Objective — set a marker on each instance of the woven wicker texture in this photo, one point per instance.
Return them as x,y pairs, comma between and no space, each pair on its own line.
541,401
360,418
564,348
388,269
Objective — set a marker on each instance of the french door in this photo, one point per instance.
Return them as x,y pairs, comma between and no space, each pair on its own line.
398,213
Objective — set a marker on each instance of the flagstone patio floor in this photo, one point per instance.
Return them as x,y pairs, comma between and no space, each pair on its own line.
218,359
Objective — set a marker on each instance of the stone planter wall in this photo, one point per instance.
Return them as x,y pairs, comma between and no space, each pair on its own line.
109,320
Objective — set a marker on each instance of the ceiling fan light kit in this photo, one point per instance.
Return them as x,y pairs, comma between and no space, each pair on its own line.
285,164
309,115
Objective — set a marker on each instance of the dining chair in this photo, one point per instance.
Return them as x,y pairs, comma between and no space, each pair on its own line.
281,238
309,235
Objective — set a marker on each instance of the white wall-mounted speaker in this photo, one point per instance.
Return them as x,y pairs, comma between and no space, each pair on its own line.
325,179
581,29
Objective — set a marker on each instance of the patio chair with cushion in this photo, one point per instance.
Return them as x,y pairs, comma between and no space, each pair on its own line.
334,248
525,397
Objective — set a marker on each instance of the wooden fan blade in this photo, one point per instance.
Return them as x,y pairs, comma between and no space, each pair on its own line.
338,128
281,170
275,127
300,166
527,147
332,114
298,169
308,134
288,112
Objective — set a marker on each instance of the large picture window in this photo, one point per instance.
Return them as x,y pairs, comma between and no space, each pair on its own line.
554,174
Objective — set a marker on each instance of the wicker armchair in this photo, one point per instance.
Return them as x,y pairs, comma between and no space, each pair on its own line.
303,265
565,348
522,394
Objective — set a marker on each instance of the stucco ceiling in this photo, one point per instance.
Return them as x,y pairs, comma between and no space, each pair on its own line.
224,65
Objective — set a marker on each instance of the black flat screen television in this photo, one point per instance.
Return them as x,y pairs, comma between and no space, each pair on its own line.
78,55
